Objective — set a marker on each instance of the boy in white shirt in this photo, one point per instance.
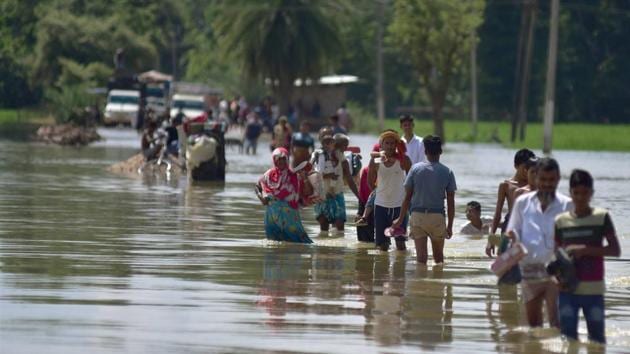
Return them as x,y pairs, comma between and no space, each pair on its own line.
477,224
415,147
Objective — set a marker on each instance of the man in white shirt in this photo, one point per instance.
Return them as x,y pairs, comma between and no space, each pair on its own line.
532,223
415,148
477,224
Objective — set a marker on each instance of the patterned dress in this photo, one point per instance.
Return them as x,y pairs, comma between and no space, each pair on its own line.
283,223
281,187
333,207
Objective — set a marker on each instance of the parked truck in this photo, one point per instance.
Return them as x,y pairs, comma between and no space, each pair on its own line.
125,100
123,107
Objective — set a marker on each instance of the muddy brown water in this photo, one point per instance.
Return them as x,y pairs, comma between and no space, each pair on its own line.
95,262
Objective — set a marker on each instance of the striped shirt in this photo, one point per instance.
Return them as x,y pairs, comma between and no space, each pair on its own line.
589,231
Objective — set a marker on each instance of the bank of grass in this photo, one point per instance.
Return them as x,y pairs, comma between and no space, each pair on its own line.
20,124
566,136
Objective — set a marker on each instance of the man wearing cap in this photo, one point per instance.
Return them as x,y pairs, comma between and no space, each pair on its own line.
427,185
415,148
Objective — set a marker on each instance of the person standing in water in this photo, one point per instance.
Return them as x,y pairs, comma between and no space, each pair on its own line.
333,167
415,147
389,193
582,232
532,223
281,191
506,193
426,186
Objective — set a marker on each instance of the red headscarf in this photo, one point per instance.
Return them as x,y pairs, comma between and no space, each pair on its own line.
282,184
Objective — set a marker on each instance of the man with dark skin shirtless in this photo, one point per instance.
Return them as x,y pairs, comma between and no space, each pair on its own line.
530,165
506,193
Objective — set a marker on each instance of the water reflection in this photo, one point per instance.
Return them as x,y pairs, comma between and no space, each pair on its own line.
283,277
202,212
429,312
384,282
504,312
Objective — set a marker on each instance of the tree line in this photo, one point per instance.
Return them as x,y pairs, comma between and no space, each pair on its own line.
52,50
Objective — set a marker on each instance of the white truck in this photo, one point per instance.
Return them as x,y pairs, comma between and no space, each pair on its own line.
191,105
122,107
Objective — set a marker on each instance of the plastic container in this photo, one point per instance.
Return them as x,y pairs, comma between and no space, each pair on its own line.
508,259
395,232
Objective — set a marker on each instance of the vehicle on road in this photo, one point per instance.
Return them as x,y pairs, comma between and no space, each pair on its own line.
191,105
122,107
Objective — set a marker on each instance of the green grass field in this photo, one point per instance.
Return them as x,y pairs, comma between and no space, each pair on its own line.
21,124
566,136
29,115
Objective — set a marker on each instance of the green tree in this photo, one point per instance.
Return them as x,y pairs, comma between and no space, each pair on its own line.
204,63
436,35
17,21
62,35
279,40
593,65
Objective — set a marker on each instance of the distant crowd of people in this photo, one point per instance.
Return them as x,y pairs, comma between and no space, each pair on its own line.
406,192
161,136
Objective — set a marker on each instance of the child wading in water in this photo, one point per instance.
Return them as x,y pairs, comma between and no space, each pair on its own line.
333,167
506,193
582,232
281,190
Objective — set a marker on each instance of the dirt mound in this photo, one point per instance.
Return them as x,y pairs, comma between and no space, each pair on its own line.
135,166
67,134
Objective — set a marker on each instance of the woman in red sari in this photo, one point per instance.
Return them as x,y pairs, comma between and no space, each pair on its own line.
281,189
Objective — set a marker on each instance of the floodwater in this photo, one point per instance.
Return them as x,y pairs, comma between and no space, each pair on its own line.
100,263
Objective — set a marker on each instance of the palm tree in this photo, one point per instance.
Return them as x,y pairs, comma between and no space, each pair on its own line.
279,40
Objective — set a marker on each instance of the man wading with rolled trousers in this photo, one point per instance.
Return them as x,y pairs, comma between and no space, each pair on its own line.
532,222
427,185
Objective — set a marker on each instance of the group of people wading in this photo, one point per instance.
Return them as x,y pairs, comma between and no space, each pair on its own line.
403,183
404,188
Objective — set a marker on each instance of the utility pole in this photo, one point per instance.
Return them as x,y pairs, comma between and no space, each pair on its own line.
520,49
550,85
473,85
380,96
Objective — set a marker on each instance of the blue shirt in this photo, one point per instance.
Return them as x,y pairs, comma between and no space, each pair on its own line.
253,130
429,182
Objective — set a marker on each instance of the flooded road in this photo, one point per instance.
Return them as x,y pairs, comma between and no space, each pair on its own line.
91,261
